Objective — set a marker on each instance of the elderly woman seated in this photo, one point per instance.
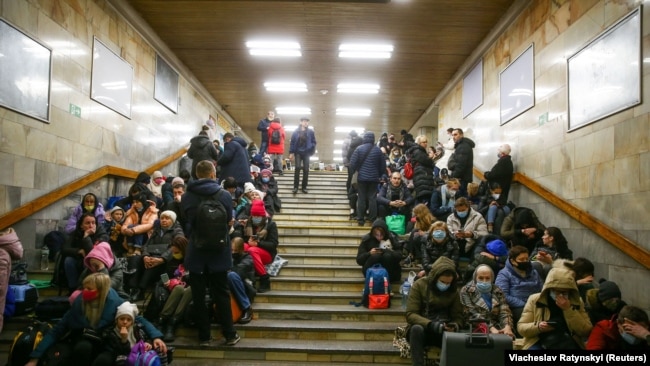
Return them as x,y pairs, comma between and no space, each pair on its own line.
481,299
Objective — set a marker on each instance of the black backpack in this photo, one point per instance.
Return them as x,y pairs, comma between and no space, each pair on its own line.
275,137
210,227
59,279
54,240
25,342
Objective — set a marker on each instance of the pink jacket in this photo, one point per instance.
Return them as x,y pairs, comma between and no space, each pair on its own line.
10,249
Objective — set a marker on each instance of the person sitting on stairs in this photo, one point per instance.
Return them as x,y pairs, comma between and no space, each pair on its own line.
380,246
241,279
180,293
261,235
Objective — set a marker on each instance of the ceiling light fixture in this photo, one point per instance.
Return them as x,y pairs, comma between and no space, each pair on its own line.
359,50
357,88
285,86
357,112
274,48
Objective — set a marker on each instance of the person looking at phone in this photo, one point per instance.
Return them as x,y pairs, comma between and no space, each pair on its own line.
552,246
380,246
555,318
433,308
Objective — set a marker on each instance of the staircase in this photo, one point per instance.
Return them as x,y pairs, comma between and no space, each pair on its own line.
306,318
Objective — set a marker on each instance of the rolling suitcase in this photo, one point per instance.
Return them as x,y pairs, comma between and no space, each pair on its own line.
466,348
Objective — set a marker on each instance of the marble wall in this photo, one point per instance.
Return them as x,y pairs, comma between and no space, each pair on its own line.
37,157
602,168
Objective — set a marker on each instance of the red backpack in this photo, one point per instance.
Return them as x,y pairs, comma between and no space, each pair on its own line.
408,170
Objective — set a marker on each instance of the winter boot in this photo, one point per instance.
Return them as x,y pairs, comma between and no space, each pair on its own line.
170,330
265,284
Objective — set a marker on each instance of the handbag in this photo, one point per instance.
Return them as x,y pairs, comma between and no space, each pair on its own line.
396,224
379,301
274,267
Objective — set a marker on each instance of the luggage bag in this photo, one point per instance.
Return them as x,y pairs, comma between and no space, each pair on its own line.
466,348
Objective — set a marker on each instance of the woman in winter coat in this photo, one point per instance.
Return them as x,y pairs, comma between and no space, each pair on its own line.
380,246
555,318
433,308
78,245
276,150
439,243
89,203
201,148
102,260
422,170
10,249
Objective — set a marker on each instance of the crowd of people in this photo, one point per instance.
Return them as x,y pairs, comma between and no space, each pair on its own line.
520,280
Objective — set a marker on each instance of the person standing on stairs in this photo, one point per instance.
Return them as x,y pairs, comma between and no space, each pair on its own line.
209,266
370,164
302,147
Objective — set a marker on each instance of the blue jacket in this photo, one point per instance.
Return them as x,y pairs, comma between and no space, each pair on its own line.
373,166
516,288
201,260
263,127
308,147
75,321
234,161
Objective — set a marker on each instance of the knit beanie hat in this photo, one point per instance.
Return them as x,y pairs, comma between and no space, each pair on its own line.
101,252
169,213
177,180
127,309
156,174
266,172
248,187
257,208
498,248
608,290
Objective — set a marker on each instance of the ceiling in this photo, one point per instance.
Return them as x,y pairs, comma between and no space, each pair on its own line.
431,39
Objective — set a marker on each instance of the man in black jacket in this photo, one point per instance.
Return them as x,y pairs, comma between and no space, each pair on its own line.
464,157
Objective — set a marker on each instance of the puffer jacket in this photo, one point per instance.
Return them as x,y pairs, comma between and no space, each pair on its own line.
537,309
144,224
422,172
10,249
474,223
517,288
464,156
426,302
201,148
432,250
234,161
368,160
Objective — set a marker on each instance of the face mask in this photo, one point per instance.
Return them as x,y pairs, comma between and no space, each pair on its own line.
89,295
177,256
442,286
266,179
611,305
388,163
256,220
462,214
524,266
89,208
630,339
439,234
499,155
159,181
484,287
552,295
396,153
452,192
496,196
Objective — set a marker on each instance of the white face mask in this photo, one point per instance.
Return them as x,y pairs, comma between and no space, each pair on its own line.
496,196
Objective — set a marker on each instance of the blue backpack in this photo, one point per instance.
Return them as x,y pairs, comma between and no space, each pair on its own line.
378,276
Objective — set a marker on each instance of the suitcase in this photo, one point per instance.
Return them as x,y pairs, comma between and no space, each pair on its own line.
26,298
466,348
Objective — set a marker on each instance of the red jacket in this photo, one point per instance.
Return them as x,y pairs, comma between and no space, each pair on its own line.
605,336
276,148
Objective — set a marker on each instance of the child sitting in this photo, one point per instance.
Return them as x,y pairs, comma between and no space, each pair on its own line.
138,225
129,329
113,227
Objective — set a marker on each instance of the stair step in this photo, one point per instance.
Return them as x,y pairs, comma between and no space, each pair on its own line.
327,312
352,228
318,330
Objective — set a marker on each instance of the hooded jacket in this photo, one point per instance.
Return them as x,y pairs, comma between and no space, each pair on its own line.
606,336
511,227
234,161
10,249
389,259
79,210
427,303
422,172
518,288
464,156
368,160
201,148
104,253
143,221
475,223
537,309
202,260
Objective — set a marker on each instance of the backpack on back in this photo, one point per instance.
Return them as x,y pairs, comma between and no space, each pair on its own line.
376,284
408,170
275,137
26,341
210,226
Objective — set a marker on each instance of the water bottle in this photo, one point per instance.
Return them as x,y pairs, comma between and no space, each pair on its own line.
405,289
45,260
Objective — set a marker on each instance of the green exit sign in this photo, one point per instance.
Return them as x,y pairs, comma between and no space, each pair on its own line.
75,110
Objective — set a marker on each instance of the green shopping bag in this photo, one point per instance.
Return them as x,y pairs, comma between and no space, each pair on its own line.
396,224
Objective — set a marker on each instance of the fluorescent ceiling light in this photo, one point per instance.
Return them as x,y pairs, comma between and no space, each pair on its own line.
337,151
358,50
353,112
338,158
274,48
338,142
313,158
358,130
357,88
293,110
285,86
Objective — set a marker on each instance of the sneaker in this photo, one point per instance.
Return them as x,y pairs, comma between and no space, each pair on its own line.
233,341
304,190
294,191
206,343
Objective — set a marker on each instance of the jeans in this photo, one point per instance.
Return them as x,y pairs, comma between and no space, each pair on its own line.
302,162
263,146
71,268
492,212
419,338
367,200
238,288
218,283
277,162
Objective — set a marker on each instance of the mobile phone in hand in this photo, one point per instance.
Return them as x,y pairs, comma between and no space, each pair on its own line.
551,323
164,278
